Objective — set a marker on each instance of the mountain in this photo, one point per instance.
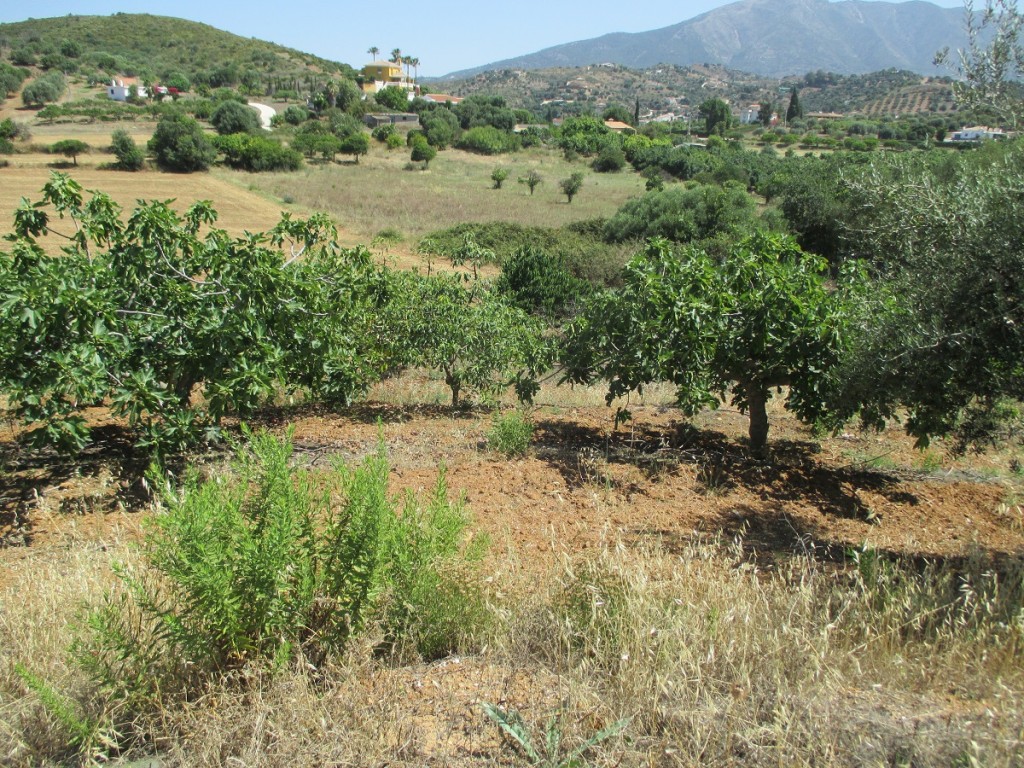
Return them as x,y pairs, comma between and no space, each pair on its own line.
773,38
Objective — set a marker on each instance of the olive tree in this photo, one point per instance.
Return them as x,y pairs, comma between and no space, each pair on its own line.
763,319
71,148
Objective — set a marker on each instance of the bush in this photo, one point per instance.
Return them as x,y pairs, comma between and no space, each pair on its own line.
129,156
510,434
268,563
233,117
257,153
44,90
539,284
179,144
488,140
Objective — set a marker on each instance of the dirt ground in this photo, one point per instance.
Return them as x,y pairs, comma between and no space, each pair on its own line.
660,479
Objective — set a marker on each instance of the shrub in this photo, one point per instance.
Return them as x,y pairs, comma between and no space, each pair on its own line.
394,141
257,153
510,434
498,176
538,283
179,144
129,156
488,140
233,117
268,563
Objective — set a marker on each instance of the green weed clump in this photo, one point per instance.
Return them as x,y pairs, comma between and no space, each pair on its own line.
270,564
510,434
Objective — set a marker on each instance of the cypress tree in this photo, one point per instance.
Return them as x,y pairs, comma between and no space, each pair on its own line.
795,110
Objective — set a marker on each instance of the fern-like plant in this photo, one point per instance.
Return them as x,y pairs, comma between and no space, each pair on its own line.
269,563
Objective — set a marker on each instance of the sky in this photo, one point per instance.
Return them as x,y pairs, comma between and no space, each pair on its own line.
445,35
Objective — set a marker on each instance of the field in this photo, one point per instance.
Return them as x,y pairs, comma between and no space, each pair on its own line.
850,601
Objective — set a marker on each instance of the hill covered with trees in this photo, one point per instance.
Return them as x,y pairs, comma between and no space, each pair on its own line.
158,48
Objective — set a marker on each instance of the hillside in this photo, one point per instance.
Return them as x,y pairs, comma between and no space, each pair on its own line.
774,38
155,46
680,89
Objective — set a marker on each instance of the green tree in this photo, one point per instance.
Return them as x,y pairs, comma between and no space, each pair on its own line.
764,318
44,90
498,176
174,322
179,144
941,334
582,135
716,116
532,180
764,113
69,148
129,156
235,117
393,98
610,157
617,112
794,111
990,68
311,143
572,185
422,152
479,343
355,144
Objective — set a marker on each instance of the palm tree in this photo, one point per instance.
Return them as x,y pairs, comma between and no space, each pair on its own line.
396,56
373,51
415,62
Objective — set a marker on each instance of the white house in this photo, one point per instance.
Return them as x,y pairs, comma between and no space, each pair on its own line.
977,133
120,90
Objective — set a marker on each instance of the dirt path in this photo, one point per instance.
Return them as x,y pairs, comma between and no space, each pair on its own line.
266,113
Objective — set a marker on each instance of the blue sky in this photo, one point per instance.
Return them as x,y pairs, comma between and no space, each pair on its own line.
446,35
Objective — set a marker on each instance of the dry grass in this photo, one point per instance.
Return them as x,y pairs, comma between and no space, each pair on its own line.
239,210
714,663
377,193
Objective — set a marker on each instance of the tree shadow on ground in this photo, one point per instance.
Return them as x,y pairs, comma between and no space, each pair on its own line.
111,462
720,464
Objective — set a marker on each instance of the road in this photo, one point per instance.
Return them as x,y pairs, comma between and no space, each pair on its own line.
265,113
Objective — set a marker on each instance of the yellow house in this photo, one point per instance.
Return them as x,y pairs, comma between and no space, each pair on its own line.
378,75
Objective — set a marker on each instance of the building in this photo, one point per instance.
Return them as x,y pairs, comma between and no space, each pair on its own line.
378,75
441,98
977,133
121,88
617,126
391,118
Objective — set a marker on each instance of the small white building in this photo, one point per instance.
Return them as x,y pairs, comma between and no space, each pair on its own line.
120,90
977,133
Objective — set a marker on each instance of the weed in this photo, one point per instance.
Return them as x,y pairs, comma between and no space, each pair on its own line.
271,564
512,724
511,433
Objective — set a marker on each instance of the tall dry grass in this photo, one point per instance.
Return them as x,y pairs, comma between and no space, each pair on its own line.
713,663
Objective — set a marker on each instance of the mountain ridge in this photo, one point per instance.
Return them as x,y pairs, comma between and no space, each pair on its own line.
774,38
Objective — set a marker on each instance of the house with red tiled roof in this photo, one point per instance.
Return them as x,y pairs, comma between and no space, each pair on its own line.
441,98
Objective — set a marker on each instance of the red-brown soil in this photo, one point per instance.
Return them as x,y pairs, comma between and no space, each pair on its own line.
659,479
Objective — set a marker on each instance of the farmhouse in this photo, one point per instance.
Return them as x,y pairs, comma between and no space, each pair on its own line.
121,88
977,133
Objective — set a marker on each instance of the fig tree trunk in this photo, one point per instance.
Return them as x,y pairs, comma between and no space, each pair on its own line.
757,399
